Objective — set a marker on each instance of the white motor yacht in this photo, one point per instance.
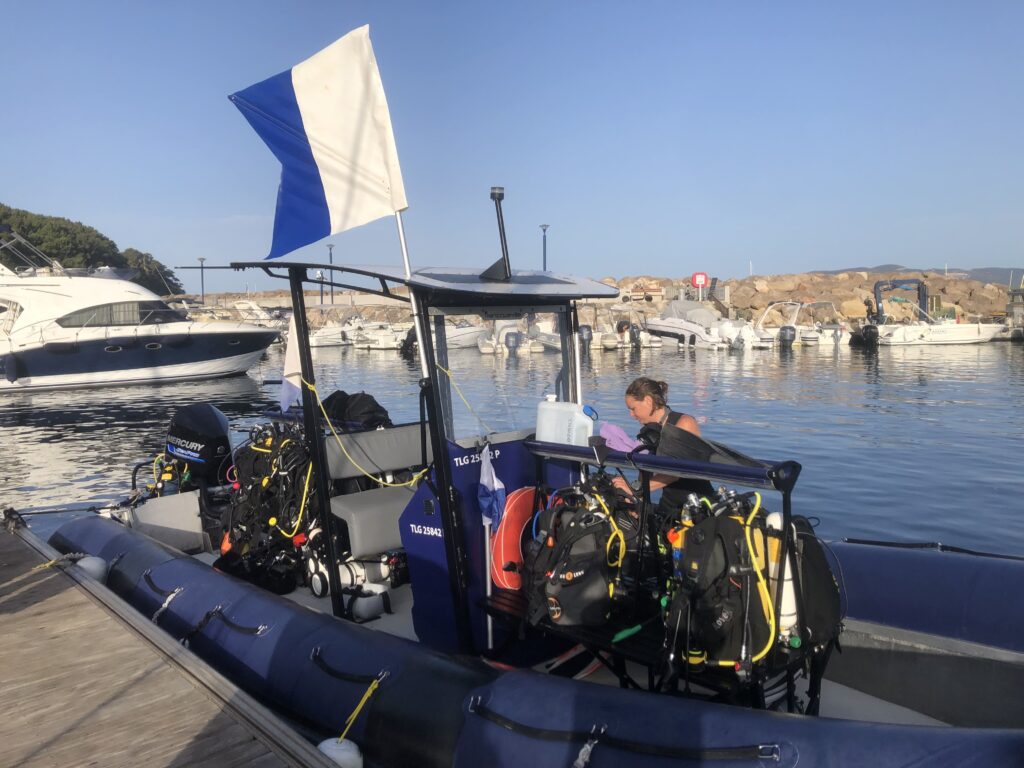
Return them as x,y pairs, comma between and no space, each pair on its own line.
62,328
928,330
923,329
697,326
332,334
378,335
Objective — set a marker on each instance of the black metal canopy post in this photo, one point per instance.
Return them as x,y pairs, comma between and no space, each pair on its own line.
314,436
497,195
454,537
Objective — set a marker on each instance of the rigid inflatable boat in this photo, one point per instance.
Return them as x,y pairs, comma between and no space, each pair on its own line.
723,627
927,670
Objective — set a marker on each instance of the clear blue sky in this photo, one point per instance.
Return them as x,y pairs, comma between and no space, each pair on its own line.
653,136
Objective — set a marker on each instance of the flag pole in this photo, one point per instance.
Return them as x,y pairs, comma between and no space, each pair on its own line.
416,318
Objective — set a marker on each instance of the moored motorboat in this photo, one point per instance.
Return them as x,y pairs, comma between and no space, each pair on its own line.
922,329
1015,314
508,339
332,334
462,334
64,328
796,323
690,324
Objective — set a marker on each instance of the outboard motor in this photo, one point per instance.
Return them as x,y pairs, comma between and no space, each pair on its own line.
198,437
869,335
634,336
408,344
586,338
786,337
513,340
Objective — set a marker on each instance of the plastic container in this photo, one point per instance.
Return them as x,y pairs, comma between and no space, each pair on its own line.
563,422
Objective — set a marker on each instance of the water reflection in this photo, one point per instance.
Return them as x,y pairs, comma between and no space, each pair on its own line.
63,447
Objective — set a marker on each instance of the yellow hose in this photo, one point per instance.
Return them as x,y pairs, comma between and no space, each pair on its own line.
408,484
762,587
616,533
302,507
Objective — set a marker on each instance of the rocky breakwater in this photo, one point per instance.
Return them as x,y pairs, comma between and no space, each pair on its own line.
847,292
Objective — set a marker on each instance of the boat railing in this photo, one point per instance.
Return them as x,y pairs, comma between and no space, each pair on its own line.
22,259
750,473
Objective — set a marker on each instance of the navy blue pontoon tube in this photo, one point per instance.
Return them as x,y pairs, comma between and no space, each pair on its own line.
949,594
525,718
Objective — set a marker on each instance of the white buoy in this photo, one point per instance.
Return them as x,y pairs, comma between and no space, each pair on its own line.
95,567
344,753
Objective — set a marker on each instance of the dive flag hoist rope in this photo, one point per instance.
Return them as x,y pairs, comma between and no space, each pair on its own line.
327,121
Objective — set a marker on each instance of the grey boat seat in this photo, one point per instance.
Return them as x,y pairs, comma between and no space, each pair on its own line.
372,516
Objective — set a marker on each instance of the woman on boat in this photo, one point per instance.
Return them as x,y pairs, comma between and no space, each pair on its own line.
647,403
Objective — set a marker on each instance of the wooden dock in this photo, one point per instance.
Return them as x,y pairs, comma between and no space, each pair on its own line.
83,683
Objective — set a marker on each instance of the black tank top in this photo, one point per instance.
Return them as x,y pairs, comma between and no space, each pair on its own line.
678,443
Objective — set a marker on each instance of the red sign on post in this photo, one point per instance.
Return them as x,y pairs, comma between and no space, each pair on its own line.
699,280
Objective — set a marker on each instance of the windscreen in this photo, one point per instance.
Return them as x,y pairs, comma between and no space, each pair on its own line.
495,367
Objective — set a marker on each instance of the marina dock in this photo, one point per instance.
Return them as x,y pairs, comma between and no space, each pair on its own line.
85,681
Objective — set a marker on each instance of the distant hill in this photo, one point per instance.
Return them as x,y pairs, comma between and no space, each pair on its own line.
996,275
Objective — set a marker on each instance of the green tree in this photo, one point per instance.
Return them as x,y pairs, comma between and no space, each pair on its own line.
151,273
74,244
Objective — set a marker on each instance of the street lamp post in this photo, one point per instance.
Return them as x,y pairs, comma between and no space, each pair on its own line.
330,258
202,280
544,227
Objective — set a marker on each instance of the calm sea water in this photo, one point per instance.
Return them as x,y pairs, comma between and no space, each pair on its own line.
916,444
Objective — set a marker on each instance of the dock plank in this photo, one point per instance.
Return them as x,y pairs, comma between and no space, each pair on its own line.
79,687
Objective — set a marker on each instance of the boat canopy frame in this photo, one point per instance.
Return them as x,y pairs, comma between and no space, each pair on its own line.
434,294
451,290
906,284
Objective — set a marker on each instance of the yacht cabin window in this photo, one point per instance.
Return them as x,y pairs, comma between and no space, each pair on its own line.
122,313
9,311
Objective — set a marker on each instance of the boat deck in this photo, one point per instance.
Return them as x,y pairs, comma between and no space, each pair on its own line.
80,684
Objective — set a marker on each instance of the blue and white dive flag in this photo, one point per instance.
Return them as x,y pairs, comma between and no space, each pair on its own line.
291,379
327,121
491,492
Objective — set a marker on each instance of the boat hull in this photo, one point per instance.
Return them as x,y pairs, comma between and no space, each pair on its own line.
937,334
685,333
188,353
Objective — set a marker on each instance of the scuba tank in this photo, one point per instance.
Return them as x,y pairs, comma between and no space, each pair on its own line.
787,614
